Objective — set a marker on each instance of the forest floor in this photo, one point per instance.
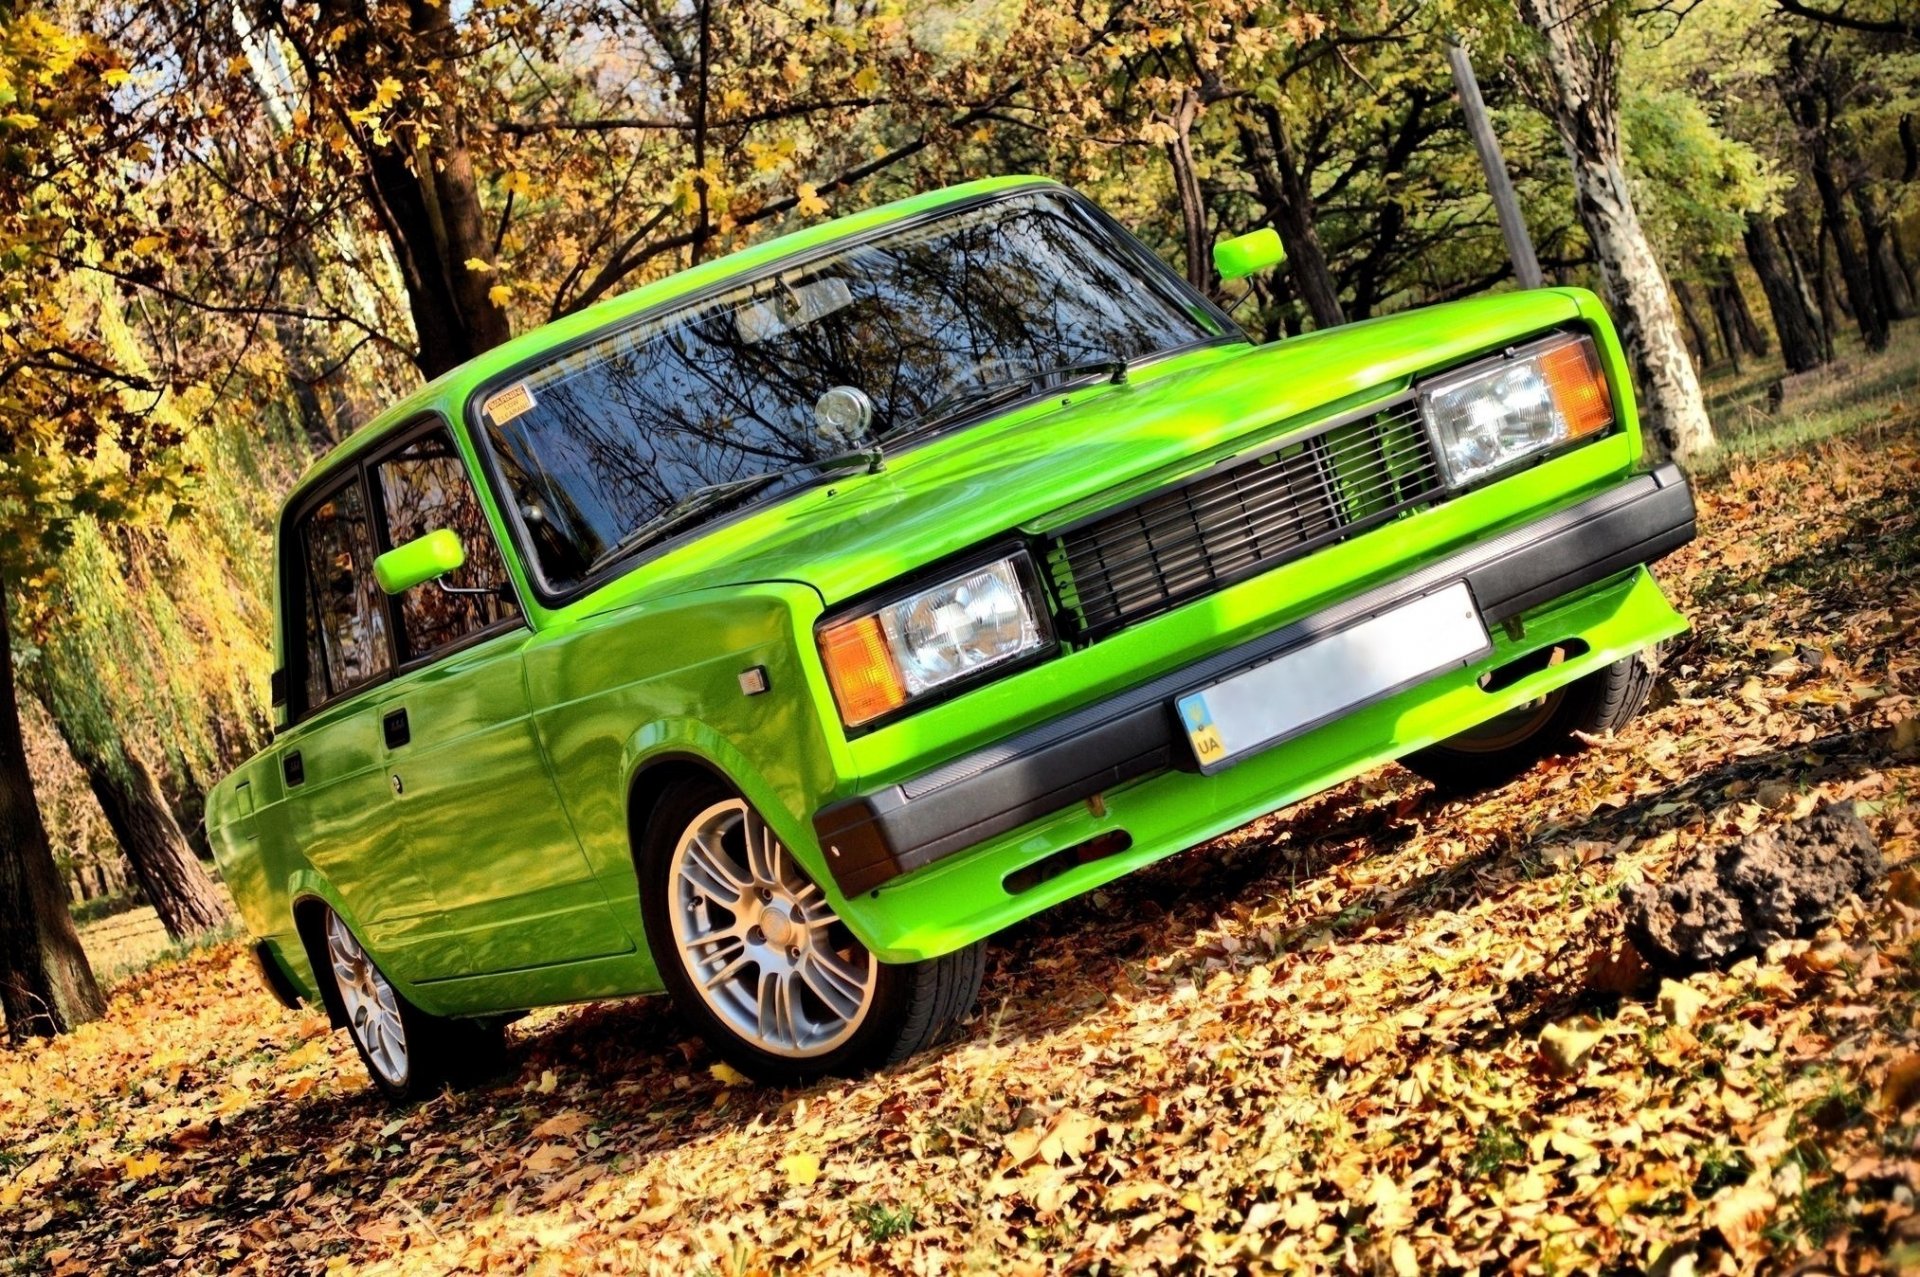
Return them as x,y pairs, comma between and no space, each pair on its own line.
1315,1043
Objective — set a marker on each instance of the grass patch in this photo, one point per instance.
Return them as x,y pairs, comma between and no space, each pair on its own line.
1874,390
884,1223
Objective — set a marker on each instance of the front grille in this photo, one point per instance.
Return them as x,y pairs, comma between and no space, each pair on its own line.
1249,515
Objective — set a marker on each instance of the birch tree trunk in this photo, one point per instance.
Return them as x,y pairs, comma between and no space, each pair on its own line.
46,986
1576,81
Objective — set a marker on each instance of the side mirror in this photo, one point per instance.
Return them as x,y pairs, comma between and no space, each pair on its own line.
1242,255
420,560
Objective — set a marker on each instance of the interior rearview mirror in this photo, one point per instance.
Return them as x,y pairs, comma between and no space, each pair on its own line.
1242,255
420,560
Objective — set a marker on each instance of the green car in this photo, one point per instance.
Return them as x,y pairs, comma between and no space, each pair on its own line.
774,634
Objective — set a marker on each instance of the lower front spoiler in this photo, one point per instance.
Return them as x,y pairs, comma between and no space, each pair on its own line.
873,838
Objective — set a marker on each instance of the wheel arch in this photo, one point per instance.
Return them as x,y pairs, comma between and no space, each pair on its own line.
677,748
655,778
309,919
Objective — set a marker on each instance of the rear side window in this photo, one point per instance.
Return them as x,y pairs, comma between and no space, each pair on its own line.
423,488
347,623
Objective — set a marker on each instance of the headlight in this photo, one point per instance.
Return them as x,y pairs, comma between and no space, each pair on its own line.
923,641
1491,414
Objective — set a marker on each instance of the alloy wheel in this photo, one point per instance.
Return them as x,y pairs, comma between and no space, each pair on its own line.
758,940
373,1008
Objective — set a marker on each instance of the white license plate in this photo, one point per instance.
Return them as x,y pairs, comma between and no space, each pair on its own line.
1328,677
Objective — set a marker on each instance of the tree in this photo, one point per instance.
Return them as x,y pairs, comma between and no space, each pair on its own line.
1574,71
62,416
1812,88
171,877
1794,321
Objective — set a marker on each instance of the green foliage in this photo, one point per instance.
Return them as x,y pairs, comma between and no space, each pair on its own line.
1695,185
74,441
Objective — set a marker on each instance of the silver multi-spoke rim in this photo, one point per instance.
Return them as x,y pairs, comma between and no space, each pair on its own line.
373,1008
758,940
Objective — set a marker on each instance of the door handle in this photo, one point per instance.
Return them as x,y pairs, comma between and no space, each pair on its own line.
394,725
293,767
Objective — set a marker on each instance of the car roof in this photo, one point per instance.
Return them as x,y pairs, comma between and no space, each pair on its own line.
445,392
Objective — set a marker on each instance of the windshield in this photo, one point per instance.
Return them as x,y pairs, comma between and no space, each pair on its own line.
606,439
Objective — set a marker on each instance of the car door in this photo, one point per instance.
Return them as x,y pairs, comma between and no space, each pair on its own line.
483,818
337,809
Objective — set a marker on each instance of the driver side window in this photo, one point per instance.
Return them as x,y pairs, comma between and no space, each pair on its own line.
423,488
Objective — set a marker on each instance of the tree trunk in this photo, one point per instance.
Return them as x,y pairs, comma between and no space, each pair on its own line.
1725,324
149,835
1690,312
1580,60
1186,184
420,185
170,875
1797,329
1900,260
1889,281
1752,335
1815,302
1806,102
1288,195
46,986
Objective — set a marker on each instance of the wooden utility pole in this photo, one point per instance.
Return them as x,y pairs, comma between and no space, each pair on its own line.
1526,267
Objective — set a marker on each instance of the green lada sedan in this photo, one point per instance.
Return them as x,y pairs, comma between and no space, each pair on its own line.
774,634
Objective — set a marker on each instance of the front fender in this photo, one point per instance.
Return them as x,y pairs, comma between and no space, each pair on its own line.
682,740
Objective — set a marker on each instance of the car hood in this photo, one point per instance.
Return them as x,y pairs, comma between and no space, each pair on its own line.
1041,465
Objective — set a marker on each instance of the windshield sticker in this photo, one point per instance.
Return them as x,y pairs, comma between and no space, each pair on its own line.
515,401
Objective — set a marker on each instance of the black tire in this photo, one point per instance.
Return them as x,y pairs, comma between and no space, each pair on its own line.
1488,756
438,1051
913,1006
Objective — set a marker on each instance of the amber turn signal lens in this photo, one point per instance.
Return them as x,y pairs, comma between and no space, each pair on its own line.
865,679
1573,377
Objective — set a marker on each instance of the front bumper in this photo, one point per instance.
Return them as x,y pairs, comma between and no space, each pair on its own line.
873,838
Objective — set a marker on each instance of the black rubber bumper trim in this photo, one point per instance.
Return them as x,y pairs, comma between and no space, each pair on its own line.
872,838
277,981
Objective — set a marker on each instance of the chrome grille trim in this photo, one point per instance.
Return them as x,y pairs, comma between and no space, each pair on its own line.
1248,515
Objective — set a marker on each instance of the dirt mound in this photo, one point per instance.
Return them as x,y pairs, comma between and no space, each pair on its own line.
1722,903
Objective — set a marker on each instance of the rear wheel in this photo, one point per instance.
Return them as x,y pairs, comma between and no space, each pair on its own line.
1501,748
761,965
408,1052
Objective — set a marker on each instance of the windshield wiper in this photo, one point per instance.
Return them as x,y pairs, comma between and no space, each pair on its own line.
682,511
703,499
989,394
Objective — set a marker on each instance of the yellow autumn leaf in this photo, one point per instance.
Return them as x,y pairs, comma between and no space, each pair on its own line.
147,244
500,294
866,80
142,1166
801,1169
727,1075
478,265
809,203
